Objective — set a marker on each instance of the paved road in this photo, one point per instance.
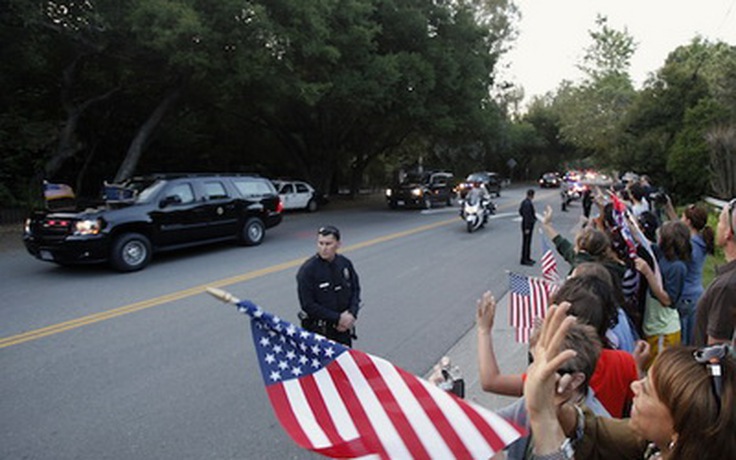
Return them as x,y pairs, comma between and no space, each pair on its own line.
97,364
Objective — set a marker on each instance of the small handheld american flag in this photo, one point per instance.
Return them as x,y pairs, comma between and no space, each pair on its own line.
549,263
529,300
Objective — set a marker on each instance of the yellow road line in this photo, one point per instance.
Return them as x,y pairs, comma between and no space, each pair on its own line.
156,301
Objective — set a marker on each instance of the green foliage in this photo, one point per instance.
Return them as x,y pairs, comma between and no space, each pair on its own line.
318,89
591,113
716,260
610,53
687,162
664,131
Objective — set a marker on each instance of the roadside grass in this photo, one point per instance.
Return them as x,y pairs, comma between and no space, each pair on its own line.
716,260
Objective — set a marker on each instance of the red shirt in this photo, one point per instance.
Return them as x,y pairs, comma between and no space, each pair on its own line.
611,381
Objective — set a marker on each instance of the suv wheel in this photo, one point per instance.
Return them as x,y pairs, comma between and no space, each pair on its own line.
252,232
427,202
130,252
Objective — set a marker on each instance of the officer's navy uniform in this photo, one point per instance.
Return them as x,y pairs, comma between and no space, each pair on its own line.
528,217
325,290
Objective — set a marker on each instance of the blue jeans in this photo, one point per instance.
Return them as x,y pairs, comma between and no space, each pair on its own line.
686,309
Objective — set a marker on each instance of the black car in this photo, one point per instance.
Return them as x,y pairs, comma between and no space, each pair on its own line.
148,214
550,180
421,190
491,180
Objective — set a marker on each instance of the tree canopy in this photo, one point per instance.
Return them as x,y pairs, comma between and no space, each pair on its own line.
316,89
337,92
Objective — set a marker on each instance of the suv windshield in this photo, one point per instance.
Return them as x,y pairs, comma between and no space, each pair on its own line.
414,178
481,177
143,189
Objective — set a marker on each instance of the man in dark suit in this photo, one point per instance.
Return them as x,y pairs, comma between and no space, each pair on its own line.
528,217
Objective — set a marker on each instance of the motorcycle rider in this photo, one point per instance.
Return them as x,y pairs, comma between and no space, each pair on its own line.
481,193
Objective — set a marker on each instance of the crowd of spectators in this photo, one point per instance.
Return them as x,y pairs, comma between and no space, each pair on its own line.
635,359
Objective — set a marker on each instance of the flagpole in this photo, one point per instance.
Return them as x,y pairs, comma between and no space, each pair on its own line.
222,295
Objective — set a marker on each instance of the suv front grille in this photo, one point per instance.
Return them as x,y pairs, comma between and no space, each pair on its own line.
53,228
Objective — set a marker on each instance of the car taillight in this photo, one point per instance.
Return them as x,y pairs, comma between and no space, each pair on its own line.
279,206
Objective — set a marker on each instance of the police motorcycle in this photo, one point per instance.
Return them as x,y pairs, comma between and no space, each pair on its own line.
570,191
476,208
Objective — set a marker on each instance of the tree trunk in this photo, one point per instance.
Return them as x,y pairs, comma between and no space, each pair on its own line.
68,143
144,135
722,143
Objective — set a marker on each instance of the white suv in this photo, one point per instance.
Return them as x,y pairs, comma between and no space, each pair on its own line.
296,194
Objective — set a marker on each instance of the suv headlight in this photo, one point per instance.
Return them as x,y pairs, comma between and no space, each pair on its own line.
87,227
27,226
388,192
416,192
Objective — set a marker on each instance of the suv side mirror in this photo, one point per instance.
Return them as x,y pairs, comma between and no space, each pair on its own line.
169,200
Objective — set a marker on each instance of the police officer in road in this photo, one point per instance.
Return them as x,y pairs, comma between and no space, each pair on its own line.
528,217
329,290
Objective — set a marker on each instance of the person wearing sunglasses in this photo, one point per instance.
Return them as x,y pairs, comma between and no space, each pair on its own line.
329,290
683,409
715,313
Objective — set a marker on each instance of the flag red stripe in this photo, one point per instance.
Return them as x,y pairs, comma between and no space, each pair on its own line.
355,408
489,434
448,433
393,410
283,411
319,408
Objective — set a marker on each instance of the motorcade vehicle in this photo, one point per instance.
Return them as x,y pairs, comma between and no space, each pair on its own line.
550,180
149,214
421,190
296,194
571,190
476,209
491,181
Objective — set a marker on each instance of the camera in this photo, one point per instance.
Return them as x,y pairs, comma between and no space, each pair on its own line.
659,198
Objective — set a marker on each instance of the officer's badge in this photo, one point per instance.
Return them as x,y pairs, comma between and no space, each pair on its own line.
346,273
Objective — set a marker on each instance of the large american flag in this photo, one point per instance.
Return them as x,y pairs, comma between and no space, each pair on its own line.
529,300
549,263
343,403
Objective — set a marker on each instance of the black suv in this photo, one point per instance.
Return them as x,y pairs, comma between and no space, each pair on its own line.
155,213
421,190
491,180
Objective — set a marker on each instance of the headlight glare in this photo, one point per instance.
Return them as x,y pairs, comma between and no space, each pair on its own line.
87,227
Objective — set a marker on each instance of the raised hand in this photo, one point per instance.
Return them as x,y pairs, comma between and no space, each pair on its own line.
485,312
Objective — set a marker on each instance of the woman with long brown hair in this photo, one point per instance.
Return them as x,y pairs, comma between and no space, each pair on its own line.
683,409
661,322
702,241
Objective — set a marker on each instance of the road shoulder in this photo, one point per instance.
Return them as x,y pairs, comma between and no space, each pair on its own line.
512,358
